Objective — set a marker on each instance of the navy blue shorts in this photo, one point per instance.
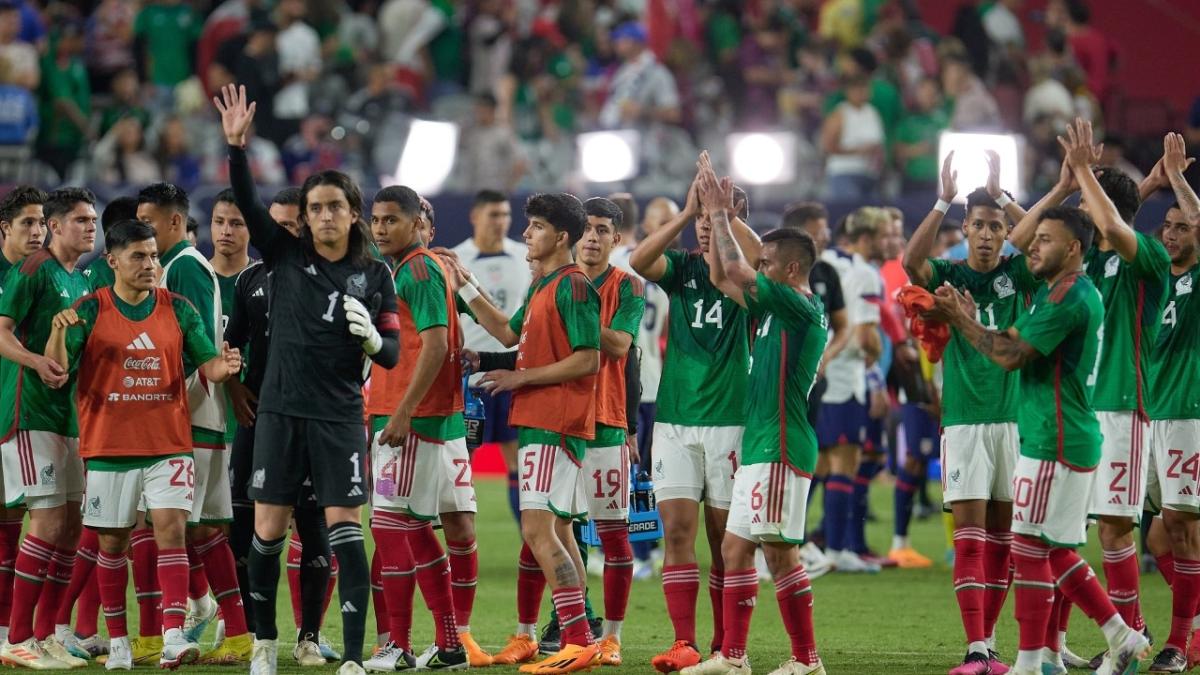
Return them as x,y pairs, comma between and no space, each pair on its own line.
922,433
873,440
842,424
495,426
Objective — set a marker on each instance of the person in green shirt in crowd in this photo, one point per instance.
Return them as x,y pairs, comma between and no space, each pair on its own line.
23,225
917,138
66,99
167,31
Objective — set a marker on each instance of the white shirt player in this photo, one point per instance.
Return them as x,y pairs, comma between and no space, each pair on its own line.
504,276
862,287
654,321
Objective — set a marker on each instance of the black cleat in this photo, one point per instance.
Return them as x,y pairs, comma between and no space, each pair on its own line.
551,638
1169,660
443,659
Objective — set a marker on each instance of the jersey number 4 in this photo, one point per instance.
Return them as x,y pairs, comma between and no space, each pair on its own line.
714,315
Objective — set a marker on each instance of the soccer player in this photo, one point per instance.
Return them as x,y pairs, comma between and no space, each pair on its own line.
1056,345
127,345
98,272
420,466
1130,269
339,306
42,469
499,264
23,225
554,410
698,421
779,449
980,444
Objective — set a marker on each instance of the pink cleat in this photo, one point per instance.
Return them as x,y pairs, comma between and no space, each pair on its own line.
974,664
998,666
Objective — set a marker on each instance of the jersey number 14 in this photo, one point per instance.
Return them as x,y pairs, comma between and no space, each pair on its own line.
713,316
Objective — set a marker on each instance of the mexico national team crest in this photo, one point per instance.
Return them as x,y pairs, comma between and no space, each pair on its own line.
1184,285
1112,266
93,506
48,477
356,285
1003,285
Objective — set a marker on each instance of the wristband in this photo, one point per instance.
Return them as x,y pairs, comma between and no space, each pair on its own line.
468,293
1003,200
471,278
941,206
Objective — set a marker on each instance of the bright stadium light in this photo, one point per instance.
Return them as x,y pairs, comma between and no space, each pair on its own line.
762,158
427,158
608,156
971,163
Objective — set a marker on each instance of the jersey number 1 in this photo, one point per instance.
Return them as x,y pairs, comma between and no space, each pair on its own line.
328,315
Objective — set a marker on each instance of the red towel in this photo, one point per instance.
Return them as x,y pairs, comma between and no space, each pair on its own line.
933,335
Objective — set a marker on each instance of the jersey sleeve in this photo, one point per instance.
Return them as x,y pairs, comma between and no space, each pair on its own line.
833,291
1023,278
671,277
77,336
197,346
783,301
579,306
518,318
422,287
1151,261
631,304
21,290
462,307
188,278
237,331
939,272
1048,322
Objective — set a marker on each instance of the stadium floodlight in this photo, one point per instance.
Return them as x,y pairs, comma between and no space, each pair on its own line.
608,156
762,158
428,156
972,166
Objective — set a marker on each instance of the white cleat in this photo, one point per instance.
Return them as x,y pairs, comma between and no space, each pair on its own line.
120,654
385,660
718,665
849,561
351,668
178,650
58,651
94,645
1125,653
794,667
29,654
308,654
264,660
1070,659
815,562
219,635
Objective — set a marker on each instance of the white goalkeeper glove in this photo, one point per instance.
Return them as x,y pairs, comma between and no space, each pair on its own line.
361,325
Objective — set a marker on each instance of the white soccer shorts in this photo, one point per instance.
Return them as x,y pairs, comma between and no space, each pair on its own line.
422,478
770,504
214,498
42,470
1174,480
1124,465
978,461
696,463
606,480
1050,501
115,497
551,479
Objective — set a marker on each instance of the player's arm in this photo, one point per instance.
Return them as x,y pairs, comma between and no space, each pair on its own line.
648,259
426,296
56,345
236,115
617,337
1022,234
216,365
1011,208
839,322
1082,155
1174,162
920,245
492,319
20,294
736,273
1006,348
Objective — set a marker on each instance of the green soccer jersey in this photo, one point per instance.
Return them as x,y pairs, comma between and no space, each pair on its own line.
1175,364
197,346
99,274
1056,420
34,292
792,330
975,390
708,349
5,266
1134,295
228,288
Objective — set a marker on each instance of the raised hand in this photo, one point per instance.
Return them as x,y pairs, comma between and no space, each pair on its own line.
1081,154
993,180
1175,159
66,319
236,113
949,179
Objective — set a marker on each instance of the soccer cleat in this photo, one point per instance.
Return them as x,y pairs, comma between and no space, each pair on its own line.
146,649
570,659
973,664
29,654
390,658
177,650
350,668
681,655
1125,653
610,651
94,645
908,558
718,665
998,666
59,652
120,655
265,658
475,654
794,667
219,633
1169,660
520,649
233,651
443,659
815,562
1071,659
73,644
308,654
849,561
327,649
1052,669
194,624
551,640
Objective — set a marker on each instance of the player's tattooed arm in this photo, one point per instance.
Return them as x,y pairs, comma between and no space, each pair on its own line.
1005,348
920,246
1174,162
737,277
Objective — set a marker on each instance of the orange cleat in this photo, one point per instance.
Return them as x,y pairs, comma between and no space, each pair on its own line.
520,649
570,659
681,655
475,654
610,651
908,558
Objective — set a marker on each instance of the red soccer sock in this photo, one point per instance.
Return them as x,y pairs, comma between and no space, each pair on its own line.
741,590
1064,615
969,580
58,578
81,575
681,585
997,574
173,570
1185,593
433,577
89,607
397,576
295,550
716,595
221,571
794,594
112,577
464,577
1079,584
32,563
1050,641
572,619
197,579
10,541
145,582
1034,588
378,597
1166,566
1121,571
531,585
618,567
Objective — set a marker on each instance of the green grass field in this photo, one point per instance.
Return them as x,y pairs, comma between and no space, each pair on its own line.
899,621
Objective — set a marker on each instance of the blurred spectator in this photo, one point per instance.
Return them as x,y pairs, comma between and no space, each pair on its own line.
166,32
126,102
261,153
884,97
120,158
974,107
251,61
299,50
491,45
642,90
33,27
22,56
1094,53
1047,100
538,93
917,138
18,110
490,155
1113,155
406,27
1003,25
852,139
1192,132
110,41
813,82
843,23
763,62
66,100
310,150
176,162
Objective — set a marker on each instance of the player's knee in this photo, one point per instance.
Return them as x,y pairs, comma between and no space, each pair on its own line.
1183,529
459,526
781,558
737,553
170,531
1115,532
113,541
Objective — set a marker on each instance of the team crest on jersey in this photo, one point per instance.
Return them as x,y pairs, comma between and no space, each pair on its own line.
1003,285
259,478
1184,285
955,476
93,506
356,284
48,477
1112,267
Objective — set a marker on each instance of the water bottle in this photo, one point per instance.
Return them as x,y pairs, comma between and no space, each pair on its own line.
473,413
643,491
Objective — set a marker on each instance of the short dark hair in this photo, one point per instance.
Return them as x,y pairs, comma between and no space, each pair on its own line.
562,210
981,197
427,210
794,244
604,208
125,232
488,197
1077,220
629,210
192,227
226,196
17,199
165,195
64,199
120,208
359,249
739,195
865,59
800,214
288,196
949,225
1121,190
403,196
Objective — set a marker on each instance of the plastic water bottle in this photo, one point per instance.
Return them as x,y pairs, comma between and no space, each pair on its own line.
473,413
643,491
